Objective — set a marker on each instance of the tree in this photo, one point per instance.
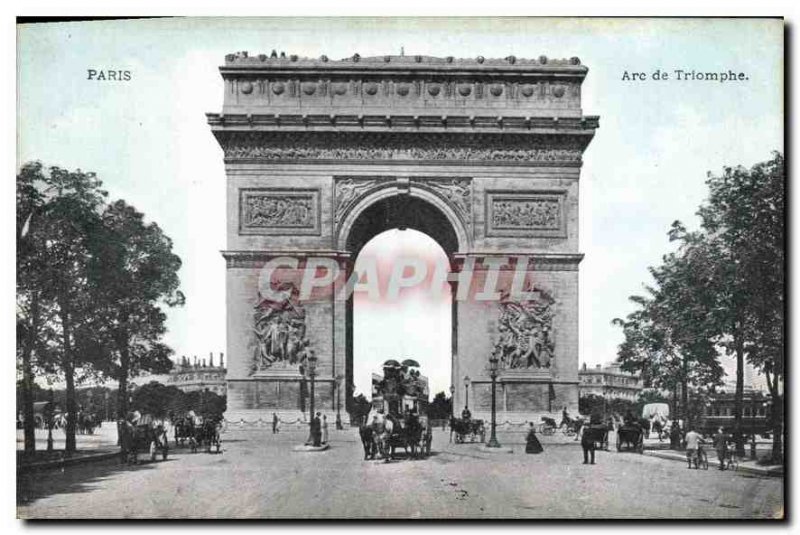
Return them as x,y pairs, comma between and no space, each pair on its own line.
57,211
135,274
722,290
155,399
441,408
744,218
671,338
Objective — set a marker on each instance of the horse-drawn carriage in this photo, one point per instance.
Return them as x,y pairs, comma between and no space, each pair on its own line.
198,432
467,430
136,438
630,437
383,434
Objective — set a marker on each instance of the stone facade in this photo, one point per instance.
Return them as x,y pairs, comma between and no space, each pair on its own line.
610,382
199,375
483,155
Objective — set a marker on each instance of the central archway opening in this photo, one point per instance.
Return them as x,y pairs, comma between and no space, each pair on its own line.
393,238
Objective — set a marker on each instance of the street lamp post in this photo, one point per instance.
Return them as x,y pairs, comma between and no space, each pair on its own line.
493,365
467,381
312,371
339,379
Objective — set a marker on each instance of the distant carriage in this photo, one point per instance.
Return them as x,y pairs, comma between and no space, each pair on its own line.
137,438
207,435
467,430
183,430
630,437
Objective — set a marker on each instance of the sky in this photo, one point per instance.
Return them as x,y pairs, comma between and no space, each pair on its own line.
148,140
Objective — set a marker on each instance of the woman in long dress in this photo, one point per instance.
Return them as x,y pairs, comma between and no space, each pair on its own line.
532,444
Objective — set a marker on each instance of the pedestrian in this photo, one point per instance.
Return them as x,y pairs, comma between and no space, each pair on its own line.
316,434
532,444
721,445
675,435
592,433
339,425
693,440
324,429
274,423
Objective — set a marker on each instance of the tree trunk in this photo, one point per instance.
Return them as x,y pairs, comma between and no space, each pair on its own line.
124,370
685,393
68,366
29,425
776,418
737,401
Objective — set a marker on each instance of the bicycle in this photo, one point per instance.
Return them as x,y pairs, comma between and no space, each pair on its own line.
699,458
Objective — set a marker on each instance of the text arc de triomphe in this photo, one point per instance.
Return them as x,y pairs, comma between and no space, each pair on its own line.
483,155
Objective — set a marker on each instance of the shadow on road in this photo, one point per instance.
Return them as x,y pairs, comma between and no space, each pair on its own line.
38,484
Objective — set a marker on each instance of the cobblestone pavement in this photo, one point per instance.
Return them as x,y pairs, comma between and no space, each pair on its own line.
258,475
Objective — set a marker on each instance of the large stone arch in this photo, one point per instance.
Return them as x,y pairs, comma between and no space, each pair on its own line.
484,155
401,192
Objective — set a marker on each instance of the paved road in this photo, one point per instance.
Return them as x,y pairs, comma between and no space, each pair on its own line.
258,475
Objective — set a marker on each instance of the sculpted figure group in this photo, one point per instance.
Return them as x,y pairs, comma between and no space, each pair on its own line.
525,337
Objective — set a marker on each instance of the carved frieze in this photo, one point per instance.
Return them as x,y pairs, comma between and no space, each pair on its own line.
526,213
525,337
378,146
272,211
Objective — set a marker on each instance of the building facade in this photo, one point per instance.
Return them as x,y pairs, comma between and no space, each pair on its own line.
609,381
199,375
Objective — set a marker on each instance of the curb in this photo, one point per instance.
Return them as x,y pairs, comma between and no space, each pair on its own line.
44,465
758,470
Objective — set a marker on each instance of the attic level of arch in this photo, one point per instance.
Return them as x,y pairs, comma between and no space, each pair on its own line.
509,87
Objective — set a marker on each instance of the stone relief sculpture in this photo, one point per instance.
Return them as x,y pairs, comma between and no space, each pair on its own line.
260,210
525,332
347,192
280,331
526,214
458,193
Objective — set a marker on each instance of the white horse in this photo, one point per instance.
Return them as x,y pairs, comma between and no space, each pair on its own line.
382,428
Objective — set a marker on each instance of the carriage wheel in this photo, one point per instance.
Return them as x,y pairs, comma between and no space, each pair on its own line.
152,450
619,442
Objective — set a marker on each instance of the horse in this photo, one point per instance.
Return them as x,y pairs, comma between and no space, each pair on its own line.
183,429
382,429
206,434
657,424
86,423
367,435
134,439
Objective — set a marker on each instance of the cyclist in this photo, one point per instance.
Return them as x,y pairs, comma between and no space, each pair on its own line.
693,440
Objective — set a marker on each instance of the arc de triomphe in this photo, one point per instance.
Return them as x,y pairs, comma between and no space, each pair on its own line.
483,155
